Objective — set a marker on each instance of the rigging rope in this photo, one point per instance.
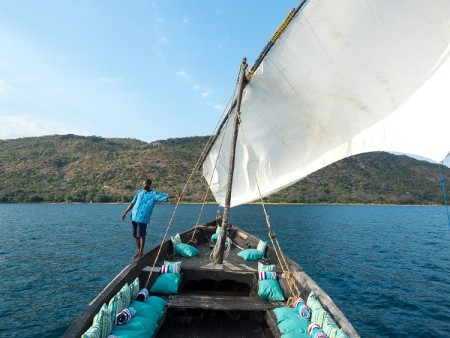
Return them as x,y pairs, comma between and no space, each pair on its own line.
443,190
183,190
273,239
215,164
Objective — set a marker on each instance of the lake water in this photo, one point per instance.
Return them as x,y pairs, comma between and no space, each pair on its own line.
387,268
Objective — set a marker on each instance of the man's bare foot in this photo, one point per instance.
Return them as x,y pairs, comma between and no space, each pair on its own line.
138,257
135,256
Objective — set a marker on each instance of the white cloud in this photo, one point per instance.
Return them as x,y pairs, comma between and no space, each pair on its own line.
164,41
186,21
218,107
196,87
14,126
181,73
205,94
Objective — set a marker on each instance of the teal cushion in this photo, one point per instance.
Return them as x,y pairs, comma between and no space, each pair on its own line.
283,313
150,324
166,284
295,335
143,309
133,325
157,302
250,254
130,334
148,311
186,250
269,289
214,238
297,325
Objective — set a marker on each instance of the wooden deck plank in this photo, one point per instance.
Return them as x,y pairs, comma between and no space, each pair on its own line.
218,303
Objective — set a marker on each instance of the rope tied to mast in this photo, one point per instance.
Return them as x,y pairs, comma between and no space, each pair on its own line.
192,240
287,273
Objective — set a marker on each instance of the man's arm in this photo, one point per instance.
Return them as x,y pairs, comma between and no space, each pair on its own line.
175,195
130,206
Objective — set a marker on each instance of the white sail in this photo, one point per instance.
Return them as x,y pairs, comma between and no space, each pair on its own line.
346,77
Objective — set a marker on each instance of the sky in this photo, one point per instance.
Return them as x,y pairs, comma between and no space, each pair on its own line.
144,69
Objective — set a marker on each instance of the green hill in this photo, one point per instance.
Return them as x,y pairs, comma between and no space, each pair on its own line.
72,168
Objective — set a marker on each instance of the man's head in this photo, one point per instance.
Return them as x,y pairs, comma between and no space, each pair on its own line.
146,185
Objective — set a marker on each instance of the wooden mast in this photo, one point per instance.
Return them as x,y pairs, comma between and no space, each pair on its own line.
218,254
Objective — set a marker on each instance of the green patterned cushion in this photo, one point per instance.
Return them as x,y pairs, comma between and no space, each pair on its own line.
177,264
262,246
341,334
319,317
331,329
112,307
103,320
135,288
313,302
123,298
176,240
218,230
93,332
265,267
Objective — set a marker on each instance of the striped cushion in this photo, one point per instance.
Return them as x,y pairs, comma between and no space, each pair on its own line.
267,275
313,302
331,329
135,288
123,297
112,307
170,269
102,319
177,264
93,332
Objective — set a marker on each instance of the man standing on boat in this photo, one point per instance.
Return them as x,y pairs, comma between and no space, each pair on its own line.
142,205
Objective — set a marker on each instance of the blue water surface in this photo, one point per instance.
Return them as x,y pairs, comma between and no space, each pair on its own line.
386,267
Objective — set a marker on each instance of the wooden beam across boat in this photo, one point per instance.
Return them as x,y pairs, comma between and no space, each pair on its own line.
220,303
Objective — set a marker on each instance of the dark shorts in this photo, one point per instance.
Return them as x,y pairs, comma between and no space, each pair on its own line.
139,229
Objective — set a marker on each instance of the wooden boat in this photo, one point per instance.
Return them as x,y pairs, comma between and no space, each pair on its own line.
337,79
213,299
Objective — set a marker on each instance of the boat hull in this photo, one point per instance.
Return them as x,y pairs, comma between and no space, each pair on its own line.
224,296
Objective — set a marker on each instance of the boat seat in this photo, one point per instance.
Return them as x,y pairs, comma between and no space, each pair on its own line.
191,301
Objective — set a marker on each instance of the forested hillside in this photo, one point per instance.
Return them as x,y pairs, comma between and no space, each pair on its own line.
72,168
